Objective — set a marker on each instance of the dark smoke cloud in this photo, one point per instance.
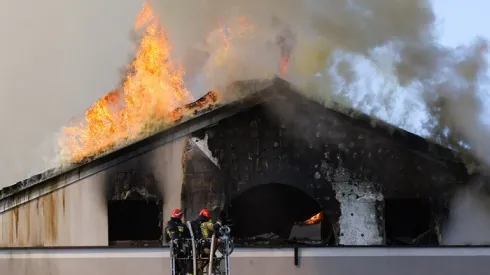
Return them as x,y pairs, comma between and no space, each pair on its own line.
330,40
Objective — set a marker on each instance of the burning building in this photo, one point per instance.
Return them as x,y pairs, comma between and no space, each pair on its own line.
277,166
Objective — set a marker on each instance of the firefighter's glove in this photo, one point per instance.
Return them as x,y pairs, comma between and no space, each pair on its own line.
217,226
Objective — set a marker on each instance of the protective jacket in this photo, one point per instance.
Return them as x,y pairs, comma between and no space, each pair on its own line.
176,229
204,227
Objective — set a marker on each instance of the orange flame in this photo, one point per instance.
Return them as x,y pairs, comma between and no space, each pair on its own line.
153,88
227,35
284,66
314,220
150,98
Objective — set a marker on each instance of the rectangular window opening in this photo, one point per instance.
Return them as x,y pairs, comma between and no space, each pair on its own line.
409,222
134,222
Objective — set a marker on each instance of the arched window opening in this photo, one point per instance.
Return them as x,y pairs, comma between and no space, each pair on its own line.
276,214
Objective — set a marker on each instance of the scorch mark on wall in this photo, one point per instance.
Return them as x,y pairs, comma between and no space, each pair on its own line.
133,183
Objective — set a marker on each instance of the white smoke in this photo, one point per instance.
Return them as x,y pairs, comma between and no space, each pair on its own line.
375,55
469,218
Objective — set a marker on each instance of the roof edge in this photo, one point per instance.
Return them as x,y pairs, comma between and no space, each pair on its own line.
66,175
246,94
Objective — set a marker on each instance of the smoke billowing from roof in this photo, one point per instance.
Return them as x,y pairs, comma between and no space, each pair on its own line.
331,45
469,217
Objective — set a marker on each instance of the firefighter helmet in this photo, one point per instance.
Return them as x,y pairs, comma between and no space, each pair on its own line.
205,213
177,213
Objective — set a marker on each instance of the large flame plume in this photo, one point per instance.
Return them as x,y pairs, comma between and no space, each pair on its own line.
152,90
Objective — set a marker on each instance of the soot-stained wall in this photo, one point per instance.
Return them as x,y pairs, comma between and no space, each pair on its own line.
203,182
346,165
142,191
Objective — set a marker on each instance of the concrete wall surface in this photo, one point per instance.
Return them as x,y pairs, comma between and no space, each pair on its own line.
75,215
332,261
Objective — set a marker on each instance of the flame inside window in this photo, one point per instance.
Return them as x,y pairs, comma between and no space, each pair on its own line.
314,220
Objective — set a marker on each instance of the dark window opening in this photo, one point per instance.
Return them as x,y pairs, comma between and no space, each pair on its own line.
409,222
271,214
134,221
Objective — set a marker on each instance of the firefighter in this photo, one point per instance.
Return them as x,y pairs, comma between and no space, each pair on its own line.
176,229
203,228
176,232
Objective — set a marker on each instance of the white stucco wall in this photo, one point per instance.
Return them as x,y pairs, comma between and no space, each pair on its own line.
72,216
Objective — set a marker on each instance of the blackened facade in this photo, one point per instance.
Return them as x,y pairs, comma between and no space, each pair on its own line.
330,156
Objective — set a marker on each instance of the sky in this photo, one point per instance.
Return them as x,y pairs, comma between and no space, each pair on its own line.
461,21
58,57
